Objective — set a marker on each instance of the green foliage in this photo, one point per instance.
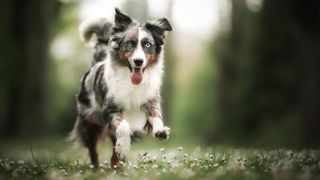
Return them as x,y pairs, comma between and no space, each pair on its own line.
194,107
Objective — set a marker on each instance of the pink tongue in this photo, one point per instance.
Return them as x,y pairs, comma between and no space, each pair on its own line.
136,76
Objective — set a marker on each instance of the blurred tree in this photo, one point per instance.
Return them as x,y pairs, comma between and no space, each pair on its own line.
262,87
167,88
25,36
269,83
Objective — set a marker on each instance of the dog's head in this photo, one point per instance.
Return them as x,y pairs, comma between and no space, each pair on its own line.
137,47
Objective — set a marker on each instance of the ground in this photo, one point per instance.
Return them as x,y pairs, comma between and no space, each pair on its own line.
58,159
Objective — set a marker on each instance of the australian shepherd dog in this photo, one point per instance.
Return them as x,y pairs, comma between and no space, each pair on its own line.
120,93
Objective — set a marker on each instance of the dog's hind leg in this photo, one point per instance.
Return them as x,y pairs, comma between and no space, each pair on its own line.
92,147
89,134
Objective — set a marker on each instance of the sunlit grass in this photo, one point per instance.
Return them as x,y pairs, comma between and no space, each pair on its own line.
53,160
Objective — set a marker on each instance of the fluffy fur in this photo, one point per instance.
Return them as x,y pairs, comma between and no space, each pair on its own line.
120,94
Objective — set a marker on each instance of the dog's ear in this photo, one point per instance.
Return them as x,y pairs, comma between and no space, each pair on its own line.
159,27
121,21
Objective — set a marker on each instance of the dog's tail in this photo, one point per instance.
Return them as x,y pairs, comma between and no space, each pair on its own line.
101,28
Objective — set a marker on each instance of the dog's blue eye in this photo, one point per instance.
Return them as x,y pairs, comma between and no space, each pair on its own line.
130,45
147,45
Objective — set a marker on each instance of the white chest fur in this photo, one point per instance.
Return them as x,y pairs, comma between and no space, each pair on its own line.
132,97
136,119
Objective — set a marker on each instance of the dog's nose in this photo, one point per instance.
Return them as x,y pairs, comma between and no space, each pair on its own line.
138,62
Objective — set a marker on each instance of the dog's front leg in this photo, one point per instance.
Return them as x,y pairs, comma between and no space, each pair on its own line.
155,119
119,132
121,139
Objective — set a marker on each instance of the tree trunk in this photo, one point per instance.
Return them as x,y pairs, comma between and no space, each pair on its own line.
26,35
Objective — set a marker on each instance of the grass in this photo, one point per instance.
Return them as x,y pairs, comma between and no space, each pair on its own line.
52,159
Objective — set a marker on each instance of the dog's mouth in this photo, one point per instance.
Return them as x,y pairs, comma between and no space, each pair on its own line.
136,75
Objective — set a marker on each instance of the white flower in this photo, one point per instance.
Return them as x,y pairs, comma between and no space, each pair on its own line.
162,149
192,165
154,159
20,162
180,149
76,163
155,166
164,170
122,163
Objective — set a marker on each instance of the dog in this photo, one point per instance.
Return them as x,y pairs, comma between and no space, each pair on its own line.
120,93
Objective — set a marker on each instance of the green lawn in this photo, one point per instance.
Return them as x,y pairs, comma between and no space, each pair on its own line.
54,159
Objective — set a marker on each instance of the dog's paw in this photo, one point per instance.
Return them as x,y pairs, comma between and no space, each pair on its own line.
123,147
162,134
